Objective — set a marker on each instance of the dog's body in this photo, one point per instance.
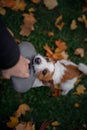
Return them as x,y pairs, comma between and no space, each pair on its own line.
62,72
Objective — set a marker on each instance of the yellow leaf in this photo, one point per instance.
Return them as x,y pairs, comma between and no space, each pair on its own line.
55,123
13,122
22,110
31,9
80,90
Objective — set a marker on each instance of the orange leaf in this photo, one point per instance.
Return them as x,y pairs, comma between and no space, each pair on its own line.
36,1
13,122
22,110
79,51
61,45
58,24
48,49
28,24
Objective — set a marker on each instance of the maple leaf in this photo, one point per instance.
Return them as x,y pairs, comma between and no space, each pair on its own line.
80,52
61,45
13,122
22,110
80,90
28,25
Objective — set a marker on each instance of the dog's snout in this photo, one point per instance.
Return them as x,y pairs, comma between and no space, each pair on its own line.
37,60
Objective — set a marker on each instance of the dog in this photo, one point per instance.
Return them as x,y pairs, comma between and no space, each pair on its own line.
62,72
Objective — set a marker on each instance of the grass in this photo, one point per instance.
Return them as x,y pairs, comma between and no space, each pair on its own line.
43,105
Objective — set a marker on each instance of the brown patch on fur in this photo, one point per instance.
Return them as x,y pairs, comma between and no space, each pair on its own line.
70,73
46,77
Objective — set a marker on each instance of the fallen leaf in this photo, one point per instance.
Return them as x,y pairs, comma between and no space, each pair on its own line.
76,105
61,45
58,22
25,126
50,34
20,5
48,49
83,19
80,52
55,123
80,90
2,11
36,1
7,3
13,122
31,10
28,25
73,25
22,110
50,4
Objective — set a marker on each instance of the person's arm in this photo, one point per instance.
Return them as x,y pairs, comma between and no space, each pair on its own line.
9,51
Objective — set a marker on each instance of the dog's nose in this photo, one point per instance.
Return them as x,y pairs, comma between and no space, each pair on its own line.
37,60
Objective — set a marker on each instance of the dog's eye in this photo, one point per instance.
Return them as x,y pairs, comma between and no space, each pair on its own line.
44,72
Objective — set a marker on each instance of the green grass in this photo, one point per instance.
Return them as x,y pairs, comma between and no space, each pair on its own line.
43,105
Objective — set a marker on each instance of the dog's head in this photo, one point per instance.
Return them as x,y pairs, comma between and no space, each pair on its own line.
44,68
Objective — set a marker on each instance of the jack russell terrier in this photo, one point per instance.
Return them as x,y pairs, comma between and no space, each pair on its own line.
63,72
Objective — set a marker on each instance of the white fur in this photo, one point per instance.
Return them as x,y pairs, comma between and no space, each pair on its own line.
59,71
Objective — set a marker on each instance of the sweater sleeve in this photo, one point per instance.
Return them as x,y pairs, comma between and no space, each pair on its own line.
9,50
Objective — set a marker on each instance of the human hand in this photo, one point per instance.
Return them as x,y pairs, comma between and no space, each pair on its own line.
21,69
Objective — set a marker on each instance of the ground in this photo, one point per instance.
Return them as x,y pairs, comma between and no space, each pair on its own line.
43,105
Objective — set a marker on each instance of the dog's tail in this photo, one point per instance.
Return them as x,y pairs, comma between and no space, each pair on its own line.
83,68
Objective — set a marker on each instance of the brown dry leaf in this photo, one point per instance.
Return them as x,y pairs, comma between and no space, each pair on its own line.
83,19
64,54
55,123
57,56
2,11
73,25
48,49
80,90
50,34
13,4
25,126
20,5
80,52
50,4
31,10
28,25
13,122
76,105
22,110
61,45
7,3
36,1
58,24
